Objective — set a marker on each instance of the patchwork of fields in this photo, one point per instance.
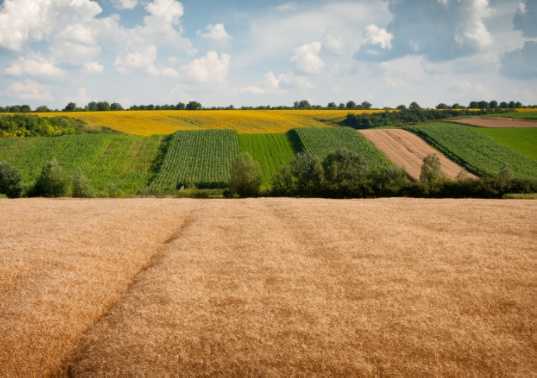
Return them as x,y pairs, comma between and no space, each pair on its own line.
242,121
280,287
476,151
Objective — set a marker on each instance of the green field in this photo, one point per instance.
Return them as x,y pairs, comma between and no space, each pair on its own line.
321,142
272,151
201,158
531,115
520,140
117,164
475,150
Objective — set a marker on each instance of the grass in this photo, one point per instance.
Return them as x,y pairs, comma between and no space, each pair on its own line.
113,164
529,114
523,140
528,196
268,287
321,142
201,158
272,151
163,122
476,151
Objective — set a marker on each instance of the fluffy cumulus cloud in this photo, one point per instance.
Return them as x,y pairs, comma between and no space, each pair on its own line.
93,67
23,21
307,58
437,29
526,18
215,33
36,66
28,90
125,4
213,67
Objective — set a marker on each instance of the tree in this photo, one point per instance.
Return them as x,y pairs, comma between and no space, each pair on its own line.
414,106
401,107
81,187
341,106
504,105
103,106
193,105
51,182
10,181
351,105
42,109
493,104
116,106
303,104
345,173
431,172
456,106
482,105
331,105
473,105
366,105
245,176
180,106
92,106
70,107
442,106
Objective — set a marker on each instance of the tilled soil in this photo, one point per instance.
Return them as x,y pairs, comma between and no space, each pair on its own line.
497,122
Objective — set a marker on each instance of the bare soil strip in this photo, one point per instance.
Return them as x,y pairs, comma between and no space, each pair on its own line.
407,151
496,122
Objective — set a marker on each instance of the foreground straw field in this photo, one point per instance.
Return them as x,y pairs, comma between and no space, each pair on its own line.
162,122
268,287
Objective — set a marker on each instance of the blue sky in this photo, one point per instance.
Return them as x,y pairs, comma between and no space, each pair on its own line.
238,52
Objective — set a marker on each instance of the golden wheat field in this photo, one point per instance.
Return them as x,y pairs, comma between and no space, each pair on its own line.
163,122
268,287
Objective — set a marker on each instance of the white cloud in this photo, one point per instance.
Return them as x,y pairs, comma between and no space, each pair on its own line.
125,4
141,60
287,7
23,21
378,37
93,67
252,89
215,33
33,66
307,58
286,81
213,67
28,90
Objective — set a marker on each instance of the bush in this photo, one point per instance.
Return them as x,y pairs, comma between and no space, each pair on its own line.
81,187
52,181
245,176
10,181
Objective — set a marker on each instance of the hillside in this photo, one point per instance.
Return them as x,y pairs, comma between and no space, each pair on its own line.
523,141
164,122
478,152
114,164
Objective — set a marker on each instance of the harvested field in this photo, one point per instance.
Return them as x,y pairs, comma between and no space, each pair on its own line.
496,122
149,287
407,151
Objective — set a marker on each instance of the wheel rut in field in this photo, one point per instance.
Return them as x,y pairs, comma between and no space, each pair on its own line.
153,262
407,151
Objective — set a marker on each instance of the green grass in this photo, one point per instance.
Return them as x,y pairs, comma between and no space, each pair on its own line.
521,140
321,142
532,116
118,164
201,158
475,150
272,151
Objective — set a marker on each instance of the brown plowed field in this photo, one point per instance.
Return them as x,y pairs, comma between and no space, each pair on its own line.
496,122
407,151
268,287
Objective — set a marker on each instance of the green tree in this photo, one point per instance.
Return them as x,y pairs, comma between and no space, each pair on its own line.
70,107
10,181
116,106
351,105
431,172
245,176
81,187
193,105
52,181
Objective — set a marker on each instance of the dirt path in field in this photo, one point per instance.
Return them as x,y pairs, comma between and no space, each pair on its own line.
407,151
268,287
496,122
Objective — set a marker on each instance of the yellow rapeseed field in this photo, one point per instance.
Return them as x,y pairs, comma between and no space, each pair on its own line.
161,122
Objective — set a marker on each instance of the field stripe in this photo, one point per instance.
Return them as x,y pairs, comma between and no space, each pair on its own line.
407,151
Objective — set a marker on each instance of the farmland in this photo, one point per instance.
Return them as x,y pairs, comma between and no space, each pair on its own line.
116,164
321,142
282,287
520,140
272,151
164,122
201,158
479,153
407,151
529,114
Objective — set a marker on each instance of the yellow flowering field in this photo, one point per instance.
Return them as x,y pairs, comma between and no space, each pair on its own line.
159,122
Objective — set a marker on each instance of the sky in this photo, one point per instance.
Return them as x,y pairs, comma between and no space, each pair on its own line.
267,52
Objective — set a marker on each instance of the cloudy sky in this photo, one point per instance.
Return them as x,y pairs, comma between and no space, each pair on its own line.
254,52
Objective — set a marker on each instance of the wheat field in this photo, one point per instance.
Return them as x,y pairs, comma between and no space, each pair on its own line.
268,287
160,122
